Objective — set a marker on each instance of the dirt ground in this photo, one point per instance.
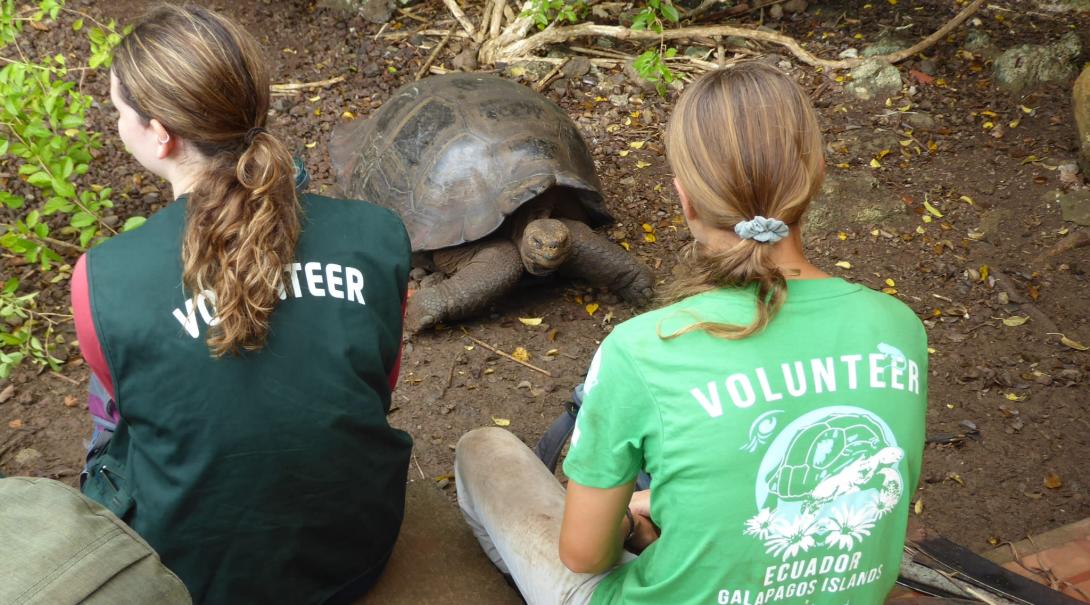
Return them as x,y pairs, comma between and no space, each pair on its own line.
1009,405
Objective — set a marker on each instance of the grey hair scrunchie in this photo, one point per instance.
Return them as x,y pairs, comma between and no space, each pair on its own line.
761,229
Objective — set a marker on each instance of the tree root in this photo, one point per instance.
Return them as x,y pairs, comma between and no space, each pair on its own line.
512,42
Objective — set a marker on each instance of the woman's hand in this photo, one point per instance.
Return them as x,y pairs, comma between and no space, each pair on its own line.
646,533
640,503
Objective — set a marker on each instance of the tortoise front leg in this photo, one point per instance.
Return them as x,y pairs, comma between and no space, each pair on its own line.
488,272
601,262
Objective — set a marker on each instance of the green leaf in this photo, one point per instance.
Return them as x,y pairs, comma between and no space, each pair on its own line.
82,219
133,222
670,12
40,179
77,25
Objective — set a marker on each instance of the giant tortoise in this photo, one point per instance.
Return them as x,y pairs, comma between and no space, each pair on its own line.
490,179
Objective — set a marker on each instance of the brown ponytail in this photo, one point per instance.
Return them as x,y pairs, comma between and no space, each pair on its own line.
203,78
743,141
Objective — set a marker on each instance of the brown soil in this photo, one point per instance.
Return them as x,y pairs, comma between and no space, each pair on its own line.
1023,391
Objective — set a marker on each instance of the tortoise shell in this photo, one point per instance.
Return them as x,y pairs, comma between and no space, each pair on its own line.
454,155
822,450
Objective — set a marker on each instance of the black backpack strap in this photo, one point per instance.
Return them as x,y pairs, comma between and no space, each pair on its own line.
552,442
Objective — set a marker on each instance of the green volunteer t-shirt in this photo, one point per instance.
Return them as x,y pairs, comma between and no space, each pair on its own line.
782,464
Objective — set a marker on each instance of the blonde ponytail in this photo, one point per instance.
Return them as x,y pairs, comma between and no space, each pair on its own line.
743,141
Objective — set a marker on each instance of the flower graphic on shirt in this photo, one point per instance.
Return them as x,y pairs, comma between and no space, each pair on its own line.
792,536
847,526
761,524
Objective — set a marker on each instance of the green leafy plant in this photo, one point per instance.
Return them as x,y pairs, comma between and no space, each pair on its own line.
545,12
45,144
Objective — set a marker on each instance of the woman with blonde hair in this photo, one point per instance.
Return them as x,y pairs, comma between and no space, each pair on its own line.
779,411
243,342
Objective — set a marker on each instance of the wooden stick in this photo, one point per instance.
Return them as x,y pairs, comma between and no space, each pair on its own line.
424,32
297,86
497,18
543,82
486,18
499,352
460,16
497,50
434,53
63,377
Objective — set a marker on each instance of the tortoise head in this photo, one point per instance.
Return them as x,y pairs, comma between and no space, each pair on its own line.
545,245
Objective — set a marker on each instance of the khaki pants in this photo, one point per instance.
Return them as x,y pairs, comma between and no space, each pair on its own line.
515,505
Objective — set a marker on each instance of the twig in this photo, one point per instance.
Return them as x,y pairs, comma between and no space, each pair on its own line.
434,53
63,377
499,49
411,15
460,16
501,353
423,32
486,18
417,463
612,54
291,87
543,82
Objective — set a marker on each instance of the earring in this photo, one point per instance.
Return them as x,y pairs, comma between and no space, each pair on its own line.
164,140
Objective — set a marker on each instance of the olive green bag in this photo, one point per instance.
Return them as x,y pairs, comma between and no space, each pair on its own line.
58,547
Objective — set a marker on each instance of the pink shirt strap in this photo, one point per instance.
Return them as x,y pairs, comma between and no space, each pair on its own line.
89,346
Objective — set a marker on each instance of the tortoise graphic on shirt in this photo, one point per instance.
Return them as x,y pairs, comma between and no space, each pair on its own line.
826,480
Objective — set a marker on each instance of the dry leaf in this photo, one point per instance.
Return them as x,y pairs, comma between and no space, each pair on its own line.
348,115
875,164
1053,481
1015,320
592,308
15,424
623,153
642,164
884,153
983,272
1013,397
501,421
521,354
841,236
844,264
70,401
890,282
649,238
889,290
311,145
647,228
517,71
530,321
926,218
1074,344
919,506
928,207
637,144
966,199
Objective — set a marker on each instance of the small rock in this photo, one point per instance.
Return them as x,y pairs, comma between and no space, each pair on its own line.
465,60
418,274
1080,101
443,483
1003,298
1028,65
874,77
994,223
618,100
849,53
886,44
111,220
576,67
795,6
927,66
604,42
7,393
24,399
376,11
776,12
850,200
1075,207
525,384
920,121
371,70
26,456
980,43
697,52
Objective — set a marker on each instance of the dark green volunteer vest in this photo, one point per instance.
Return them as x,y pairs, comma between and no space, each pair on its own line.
273,476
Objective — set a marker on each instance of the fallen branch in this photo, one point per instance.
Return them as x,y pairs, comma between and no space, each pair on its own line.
509,44
543,82
434,53
499,352
1067,244
287,89
460,16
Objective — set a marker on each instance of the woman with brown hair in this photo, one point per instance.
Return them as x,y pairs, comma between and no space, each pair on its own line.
779,411
244,341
